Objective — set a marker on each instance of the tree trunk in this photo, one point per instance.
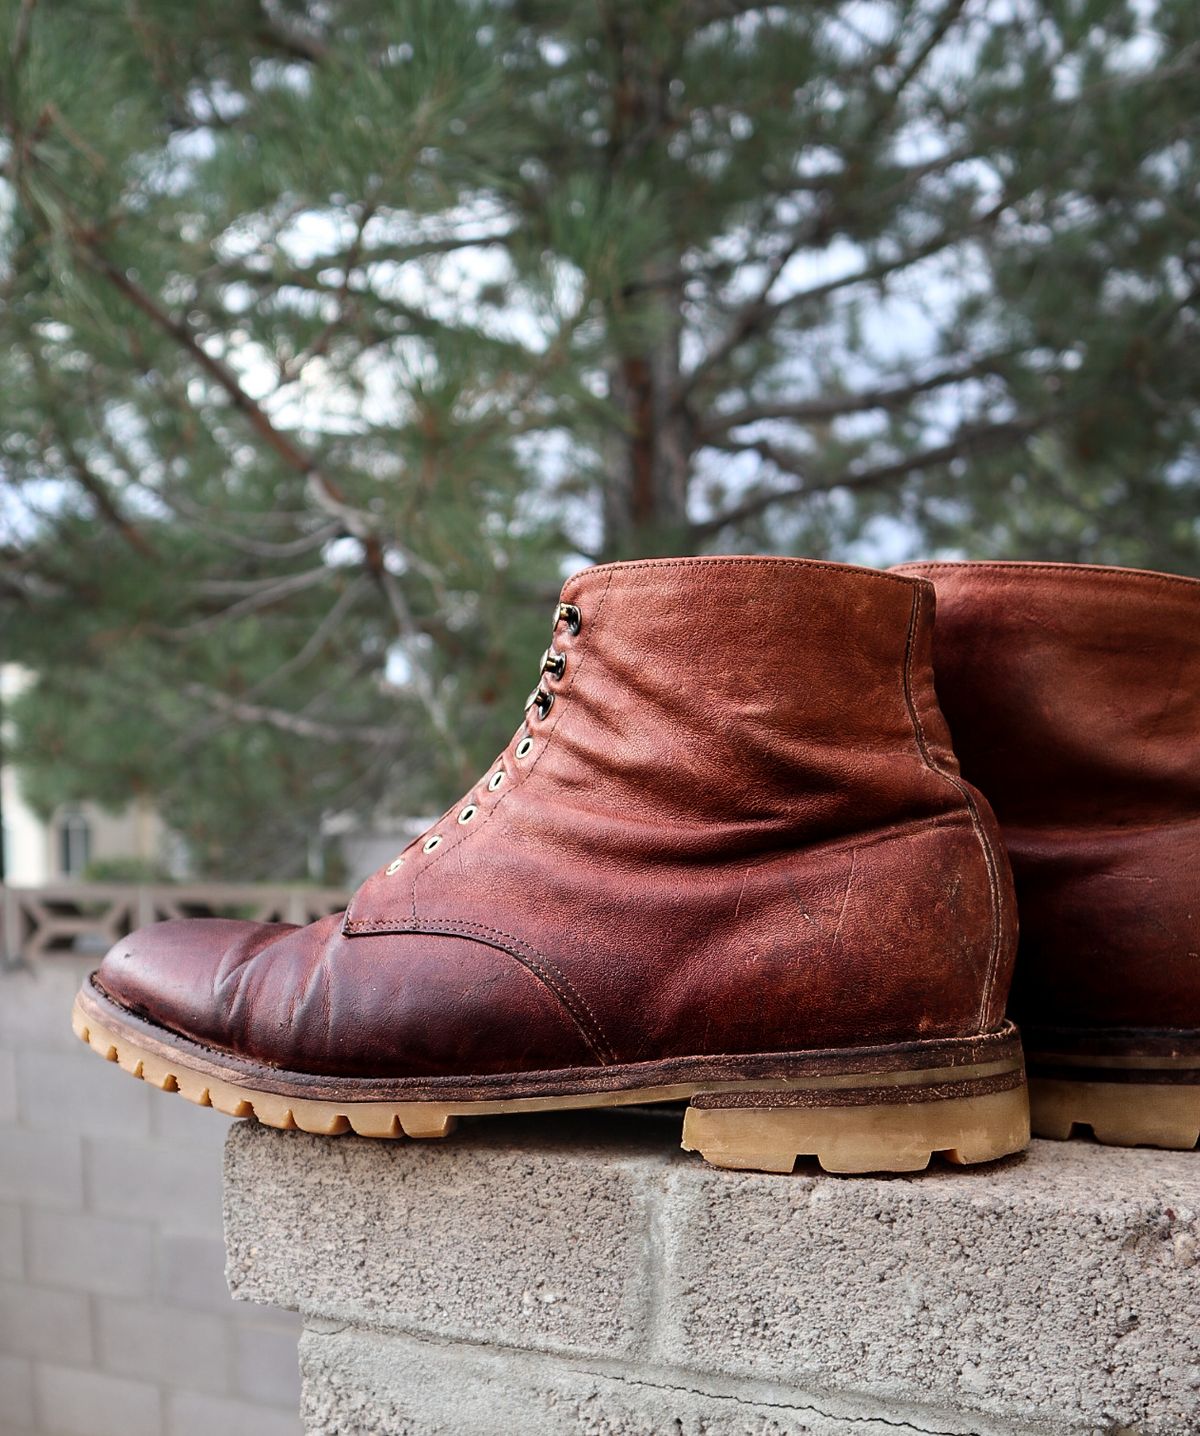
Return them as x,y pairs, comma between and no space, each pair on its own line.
646,499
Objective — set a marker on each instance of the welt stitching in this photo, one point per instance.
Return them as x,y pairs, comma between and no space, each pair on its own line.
989,857
758,560
540,966
1111,573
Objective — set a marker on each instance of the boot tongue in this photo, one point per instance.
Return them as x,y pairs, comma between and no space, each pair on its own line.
375,894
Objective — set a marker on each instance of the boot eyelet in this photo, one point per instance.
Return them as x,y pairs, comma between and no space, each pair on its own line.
467,813
495,780
524,747
394,867
555,664
431,843
569,614
543,702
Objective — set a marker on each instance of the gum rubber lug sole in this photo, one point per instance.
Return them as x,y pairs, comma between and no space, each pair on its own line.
870,1136
866,1121
1119,1114
1130,1087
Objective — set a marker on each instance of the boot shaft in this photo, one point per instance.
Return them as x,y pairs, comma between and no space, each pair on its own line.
757,700
743,791
1072,692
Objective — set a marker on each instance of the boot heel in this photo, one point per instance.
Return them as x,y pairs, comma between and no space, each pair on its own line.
877,1129
1120,1114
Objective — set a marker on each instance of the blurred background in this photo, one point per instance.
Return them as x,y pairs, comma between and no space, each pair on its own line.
335,334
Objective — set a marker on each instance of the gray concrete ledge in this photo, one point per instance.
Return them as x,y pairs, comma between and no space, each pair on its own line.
545,1275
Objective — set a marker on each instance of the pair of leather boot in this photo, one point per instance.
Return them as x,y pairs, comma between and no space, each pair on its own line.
730,858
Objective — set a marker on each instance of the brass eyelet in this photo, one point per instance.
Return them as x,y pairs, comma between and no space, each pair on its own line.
524,747
495,780
394,866
554,663
542,701
569,614
467,813
431,843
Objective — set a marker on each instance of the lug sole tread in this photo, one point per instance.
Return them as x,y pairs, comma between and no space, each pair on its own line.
890,1137
1117,1114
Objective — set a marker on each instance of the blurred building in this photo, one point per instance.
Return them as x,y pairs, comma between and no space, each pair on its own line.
77,840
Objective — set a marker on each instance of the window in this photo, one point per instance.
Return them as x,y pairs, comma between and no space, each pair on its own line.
74,843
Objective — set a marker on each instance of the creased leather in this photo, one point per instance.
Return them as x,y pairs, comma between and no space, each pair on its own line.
1073,694
740,829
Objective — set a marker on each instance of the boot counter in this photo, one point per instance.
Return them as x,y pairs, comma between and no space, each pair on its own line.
1110,927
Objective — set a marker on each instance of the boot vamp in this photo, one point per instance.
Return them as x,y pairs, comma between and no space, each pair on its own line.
661,948
310,1000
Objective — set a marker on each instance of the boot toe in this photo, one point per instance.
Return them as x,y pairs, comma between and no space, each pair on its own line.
172,972
308,1000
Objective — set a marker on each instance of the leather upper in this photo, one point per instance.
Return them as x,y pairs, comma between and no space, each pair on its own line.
1073,693
738,828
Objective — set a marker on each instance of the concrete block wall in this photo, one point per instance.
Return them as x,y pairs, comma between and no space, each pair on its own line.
114,1312
582,1277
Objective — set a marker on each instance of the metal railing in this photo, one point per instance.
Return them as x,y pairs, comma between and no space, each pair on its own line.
89,917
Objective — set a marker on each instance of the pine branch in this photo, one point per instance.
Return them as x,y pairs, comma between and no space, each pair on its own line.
885,268
265,593
291,42
966,444
716,433
92,484
292,723
21,32
295,456
756,315
317,639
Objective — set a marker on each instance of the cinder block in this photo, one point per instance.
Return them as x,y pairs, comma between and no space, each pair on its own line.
178,1189
35,1003
12,1243
42,1168
175,1348
175,1122
16,1392
494,1238
266,1366
278,1318
88,1403
367,1384
1055,1294
86,1253
38,1323
8,1086
189,1415
75,1092
191,1274
1057,1289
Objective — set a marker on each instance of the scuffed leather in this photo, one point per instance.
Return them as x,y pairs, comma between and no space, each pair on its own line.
1073,693
740,829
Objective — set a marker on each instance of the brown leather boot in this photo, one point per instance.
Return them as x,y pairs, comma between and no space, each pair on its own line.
728,858
1073,694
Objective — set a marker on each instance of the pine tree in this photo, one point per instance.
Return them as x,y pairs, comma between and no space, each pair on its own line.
332,334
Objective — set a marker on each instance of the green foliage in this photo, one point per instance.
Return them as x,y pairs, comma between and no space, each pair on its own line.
333,334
